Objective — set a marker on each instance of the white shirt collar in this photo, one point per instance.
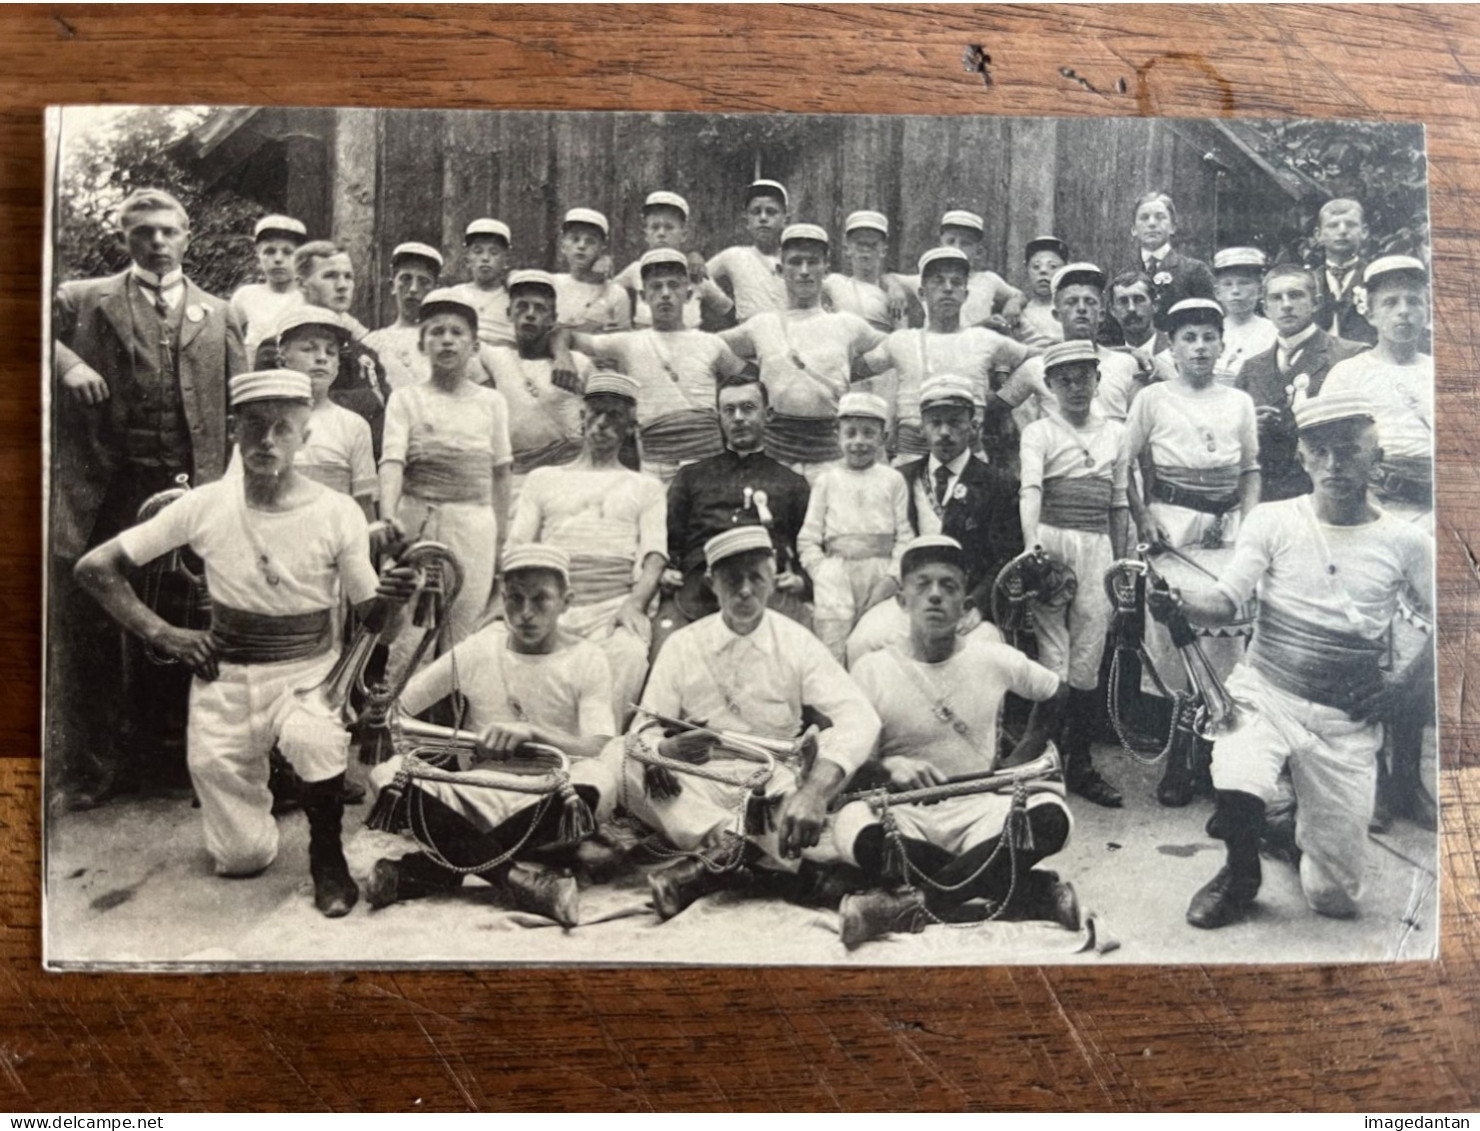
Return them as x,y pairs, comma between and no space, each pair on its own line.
957,465
1342,268
161,282
1299,339
760,636
1159,254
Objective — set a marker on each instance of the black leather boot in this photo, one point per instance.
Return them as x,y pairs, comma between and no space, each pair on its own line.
720,867
1080,776
414,876
1237,820
334,891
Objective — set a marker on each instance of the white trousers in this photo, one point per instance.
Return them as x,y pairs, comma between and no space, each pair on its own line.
470,532
957,824
840,588
234,722
1072,639
1333,766
703,809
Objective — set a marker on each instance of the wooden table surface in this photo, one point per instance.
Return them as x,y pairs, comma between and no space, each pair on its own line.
1346,1038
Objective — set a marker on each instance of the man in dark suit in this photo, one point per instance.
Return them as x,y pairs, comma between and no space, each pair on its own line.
742,486
1302,348
1337,267
141,365
952,492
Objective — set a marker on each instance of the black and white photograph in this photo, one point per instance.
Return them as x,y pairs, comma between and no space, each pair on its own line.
522,537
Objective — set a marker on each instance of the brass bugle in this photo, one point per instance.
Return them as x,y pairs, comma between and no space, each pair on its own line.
780,747
424,739
1047,764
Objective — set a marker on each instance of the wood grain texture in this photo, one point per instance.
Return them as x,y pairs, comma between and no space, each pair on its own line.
1337,1038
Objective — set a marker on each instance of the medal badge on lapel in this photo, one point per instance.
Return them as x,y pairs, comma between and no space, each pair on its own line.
1162,279
959,492
195,312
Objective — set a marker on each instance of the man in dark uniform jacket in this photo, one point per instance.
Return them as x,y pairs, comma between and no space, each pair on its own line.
142,361
327,278
954,493
1302,348
1337,266
742,486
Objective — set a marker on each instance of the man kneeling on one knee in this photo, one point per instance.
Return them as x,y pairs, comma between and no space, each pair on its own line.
968,857
744,670
1328,568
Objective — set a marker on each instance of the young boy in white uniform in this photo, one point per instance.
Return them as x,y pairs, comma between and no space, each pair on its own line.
945,344
1397,379
258,306
415,268
806,356
865,290
486,244
751,273
584,299
992,300
857,524
338,451
1037,324
665,225
1238,273
280,553
524,681
1073,504
677,369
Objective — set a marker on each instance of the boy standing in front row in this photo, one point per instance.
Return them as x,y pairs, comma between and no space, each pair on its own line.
280,552
857,524
1073,504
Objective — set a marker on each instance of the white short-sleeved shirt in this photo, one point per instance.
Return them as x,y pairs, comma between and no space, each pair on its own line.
540,413
598,512
867,300
973,352
1402,396
474,419
675,369
706,296
754,277
758,683
982,287
1344,578
339,453
845,501
258,308
1052,448
604,305
1119,383
1037,325
399,350
1241,342
971,684
569,689
494,327
824,342
277,563
1206,428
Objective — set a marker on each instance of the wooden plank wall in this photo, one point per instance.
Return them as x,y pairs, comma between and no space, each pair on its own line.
436,170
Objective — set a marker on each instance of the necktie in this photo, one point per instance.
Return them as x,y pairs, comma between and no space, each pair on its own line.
156,295
942,481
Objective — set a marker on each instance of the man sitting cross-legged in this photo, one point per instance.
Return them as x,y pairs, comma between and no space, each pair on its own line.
938,700
747,670
524,681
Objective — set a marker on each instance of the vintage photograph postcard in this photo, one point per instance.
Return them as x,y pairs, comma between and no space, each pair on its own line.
484,538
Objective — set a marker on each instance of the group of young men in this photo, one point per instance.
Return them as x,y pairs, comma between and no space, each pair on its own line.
731,533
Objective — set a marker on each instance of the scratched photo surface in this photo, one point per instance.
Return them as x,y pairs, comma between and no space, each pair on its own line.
641,538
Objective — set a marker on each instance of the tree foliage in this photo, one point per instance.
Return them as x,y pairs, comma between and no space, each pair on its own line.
1380,164
118,153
